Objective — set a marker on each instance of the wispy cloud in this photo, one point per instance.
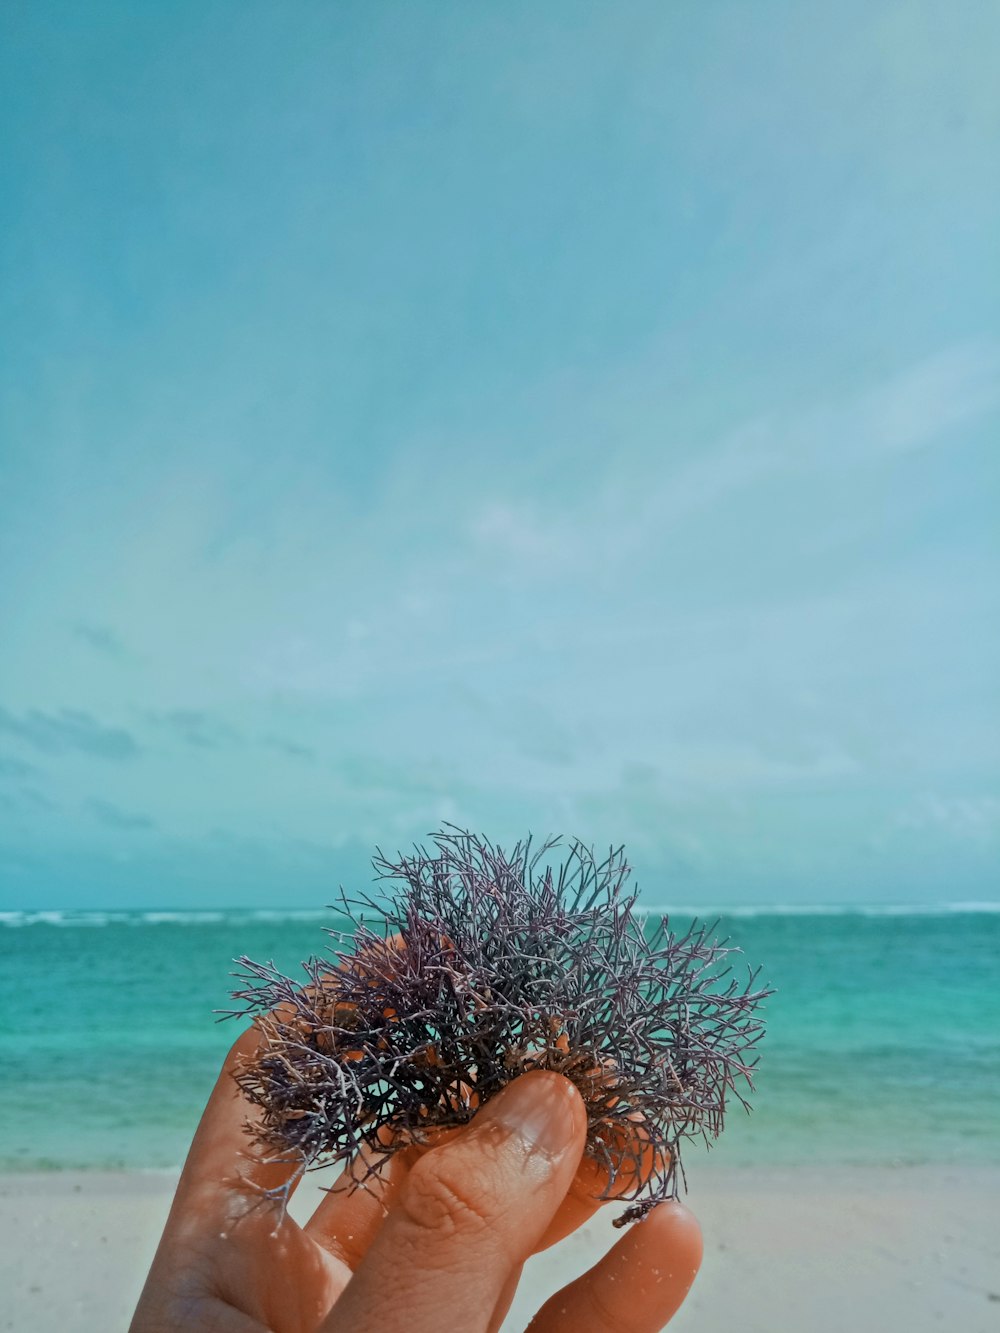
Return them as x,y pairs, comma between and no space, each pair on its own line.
931,400
102,638
106,812
974,817
15,768
293,749
927,403
68,730
518,531
26,800
198,728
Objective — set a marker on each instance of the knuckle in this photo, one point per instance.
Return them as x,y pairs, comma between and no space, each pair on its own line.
441,1198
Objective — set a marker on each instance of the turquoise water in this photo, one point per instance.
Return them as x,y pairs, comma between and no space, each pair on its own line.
883,1037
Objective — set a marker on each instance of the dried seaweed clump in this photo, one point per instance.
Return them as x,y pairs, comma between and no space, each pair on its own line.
484,966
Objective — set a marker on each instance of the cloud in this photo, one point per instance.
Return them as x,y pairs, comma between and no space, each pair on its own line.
102,638
925,404
536,732
290,748
15,768
516,531
366,774
635,518
115,817
67,730
197,728
25,799
933,398
965,817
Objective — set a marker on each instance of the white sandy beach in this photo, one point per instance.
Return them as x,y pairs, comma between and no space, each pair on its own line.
807,1249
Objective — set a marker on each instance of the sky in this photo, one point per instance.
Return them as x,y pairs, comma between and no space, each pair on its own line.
574,418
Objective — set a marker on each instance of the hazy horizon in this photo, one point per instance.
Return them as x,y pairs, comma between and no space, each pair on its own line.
167,914
575,419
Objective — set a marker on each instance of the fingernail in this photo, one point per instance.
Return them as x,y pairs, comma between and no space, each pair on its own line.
537,1107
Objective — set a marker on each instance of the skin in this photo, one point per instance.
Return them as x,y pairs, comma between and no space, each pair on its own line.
438,1241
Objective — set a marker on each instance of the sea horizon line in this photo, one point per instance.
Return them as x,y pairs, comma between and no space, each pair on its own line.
101,916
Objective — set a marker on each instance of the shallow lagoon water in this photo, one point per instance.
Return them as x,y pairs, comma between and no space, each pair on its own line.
883,1040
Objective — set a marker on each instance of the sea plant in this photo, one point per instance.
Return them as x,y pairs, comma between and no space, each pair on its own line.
480,966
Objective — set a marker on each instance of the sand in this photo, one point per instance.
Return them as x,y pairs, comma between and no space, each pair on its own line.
797,1248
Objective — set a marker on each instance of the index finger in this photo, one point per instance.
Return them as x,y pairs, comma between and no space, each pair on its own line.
223,1153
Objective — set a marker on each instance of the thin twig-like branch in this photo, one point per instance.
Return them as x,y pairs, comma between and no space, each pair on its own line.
487,965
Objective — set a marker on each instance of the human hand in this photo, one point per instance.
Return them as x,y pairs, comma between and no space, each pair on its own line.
436,1242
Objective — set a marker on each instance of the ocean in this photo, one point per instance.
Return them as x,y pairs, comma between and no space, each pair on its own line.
883,1040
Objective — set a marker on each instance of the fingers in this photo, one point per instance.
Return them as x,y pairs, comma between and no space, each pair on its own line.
592,1188
347,1219
351,1213
638,1286
505,1300
582,1201
223,1156
468,1214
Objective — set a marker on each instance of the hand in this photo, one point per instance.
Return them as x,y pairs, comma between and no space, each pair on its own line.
435,1243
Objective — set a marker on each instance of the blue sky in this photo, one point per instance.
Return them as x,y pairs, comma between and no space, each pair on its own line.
569,417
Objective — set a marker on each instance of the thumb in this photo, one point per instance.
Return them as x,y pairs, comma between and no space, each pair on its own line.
469,1214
